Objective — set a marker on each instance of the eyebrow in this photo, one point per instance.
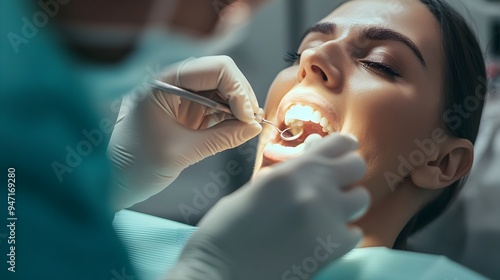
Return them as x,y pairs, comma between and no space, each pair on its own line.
371,33
322,27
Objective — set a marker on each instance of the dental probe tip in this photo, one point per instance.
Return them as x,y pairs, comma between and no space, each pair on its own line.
259,118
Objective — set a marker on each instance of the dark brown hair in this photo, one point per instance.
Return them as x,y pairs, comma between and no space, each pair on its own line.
464,84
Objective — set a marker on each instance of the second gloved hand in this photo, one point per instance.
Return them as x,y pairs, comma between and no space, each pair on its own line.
286,224
158,135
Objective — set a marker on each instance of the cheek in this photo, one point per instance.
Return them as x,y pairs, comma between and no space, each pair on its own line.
281,85
384,119
387,124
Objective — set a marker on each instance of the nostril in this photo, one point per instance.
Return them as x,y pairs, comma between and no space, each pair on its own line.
323,75
319,71
303,73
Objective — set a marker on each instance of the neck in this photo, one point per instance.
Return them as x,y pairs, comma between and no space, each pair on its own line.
384,221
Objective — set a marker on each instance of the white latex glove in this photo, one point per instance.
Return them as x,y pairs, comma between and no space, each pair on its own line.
158,135
288,223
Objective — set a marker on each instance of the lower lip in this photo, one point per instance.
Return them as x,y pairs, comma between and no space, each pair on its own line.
275,152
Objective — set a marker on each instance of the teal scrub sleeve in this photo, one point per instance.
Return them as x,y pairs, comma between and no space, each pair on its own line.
62,227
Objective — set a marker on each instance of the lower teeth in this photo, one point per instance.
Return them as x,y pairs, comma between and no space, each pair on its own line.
299,149
312,138
283,150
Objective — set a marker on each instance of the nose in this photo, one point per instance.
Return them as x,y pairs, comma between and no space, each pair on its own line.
316,65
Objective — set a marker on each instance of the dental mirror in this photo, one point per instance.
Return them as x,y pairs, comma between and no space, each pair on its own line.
285,134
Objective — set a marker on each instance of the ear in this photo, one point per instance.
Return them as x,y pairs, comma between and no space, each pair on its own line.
452,161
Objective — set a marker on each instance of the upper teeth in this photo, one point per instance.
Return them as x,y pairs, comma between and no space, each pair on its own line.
298,114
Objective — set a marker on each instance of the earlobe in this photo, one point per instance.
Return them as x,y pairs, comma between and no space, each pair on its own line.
451,162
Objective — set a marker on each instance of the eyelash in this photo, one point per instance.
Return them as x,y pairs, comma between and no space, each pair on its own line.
385,69
292,57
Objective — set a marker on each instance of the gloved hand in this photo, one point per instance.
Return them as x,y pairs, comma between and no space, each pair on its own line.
158,135
288,223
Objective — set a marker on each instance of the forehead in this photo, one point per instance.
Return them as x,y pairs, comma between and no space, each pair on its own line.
409,17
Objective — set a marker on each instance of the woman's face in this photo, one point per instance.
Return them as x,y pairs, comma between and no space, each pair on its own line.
372,69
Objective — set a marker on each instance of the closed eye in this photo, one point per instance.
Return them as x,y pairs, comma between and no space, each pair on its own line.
381,68
291,57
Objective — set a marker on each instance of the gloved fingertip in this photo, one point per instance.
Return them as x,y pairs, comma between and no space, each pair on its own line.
339,143
310,140
251,130
352,136
359,233
362,202
254,103
249,110
255,126
261,112
245,113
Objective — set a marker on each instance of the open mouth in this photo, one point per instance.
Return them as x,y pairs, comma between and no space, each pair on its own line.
310,119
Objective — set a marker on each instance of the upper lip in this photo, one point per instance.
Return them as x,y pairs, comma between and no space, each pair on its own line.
310,98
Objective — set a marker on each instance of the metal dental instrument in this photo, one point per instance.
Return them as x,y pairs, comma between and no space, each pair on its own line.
285,134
